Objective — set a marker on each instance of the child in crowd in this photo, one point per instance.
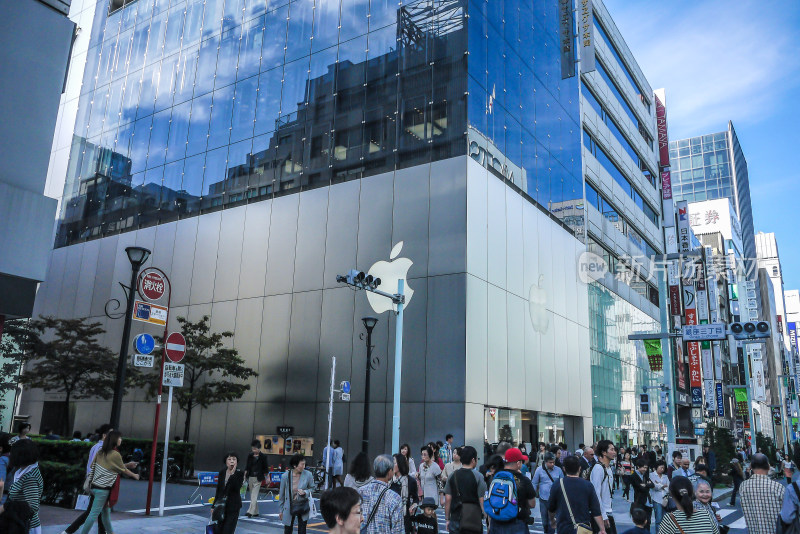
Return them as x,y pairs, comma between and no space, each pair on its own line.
427,522
639,518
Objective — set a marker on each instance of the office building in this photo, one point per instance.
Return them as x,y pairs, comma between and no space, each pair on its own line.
623,226
36,38
261,151
713,166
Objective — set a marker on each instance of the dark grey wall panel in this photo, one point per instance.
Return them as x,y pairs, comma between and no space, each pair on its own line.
448,217
103,276
341,241
301,375
253,270
375,220
446,338
282,245
410,219
274,348
205,258
229,254
311,232
336,337
183,260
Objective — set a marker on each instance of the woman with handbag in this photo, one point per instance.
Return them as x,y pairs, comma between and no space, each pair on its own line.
228,498
429,474
103,474
685,519
404,485
294,494
660,491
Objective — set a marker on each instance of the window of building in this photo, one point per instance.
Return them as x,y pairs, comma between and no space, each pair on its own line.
636,87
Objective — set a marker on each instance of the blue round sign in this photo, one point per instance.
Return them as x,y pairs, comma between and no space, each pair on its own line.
145,343
345,387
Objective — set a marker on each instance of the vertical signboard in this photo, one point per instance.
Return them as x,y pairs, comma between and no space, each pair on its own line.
708,385
566,23
742,410
692,347
717,351
720,400
586,33
679,364
661,125
758,384
666,185
684,240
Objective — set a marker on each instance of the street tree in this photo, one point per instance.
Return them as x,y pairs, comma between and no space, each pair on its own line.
65,356
13,333
213,373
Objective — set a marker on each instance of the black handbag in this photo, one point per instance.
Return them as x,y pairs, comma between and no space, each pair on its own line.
299,505
471,513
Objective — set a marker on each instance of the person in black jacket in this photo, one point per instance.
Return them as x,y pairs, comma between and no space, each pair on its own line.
228,500
254,472
641,484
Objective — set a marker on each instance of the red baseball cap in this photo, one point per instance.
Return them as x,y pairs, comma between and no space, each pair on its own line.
515,455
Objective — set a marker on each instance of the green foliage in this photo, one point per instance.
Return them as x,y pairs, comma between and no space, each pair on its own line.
721,442
76,453
767,446
213,373
64,356
62,483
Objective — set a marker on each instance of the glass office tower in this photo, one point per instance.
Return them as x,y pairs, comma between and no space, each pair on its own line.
188,107
713,166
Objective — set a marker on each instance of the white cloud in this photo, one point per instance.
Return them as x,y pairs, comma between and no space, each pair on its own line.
718,61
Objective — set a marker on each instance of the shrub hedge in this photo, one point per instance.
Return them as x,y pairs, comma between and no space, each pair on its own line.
62,483
76,453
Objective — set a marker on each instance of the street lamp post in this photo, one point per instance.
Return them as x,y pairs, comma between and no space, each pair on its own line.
369,324
137,256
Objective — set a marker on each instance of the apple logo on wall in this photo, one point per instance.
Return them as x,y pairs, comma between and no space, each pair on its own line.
537,302
390,272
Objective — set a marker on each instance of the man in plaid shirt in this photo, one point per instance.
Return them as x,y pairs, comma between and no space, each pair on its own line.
761,498
388,517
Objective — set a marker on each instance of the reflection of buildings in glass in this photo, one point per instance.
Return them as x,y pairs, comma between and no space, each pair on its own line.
571,213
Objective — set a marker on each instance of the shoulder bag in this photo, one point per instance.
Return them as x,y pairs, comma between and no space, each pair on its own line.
471,513
580,528
794,526
298,505
373,511
87,483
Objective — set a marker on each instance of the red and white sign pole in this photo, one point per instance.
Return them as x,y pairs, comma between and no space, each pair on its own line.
152,288
175,350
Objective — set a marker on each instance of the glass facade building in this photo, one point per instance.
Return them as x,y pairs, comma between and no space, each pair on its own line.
713,166
192,106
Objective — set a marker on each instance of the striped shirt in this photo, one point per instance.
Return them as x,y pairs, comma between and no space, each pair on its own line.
761,503
28,488
106,468
701,522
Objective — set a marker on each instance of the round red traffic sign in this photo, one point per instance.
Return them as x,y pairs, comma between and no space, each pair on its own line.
175,347
152,285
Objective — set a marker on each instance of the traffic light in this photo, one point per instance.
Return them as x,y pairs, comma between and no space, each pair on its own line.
750,330
644,403
663,401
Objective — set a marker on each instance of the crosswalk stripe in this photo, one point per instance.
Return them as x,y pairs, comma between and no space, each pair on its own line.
726,512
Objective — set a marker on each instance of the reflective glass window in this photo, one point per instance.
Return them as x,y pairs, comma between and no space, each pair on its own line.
158,139
220,125
244,108
250,50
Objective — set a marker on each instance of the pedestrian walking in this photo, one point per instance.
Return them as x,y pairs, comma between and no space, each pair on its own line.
587,461
360,472
761,496
328,459
429,474
405,486
685,519
294,494
81,519
659,493
338,462
427,522
600,478
686,468
341,510
543,480
626,466
464,493
540,454
641,484
382,508
574,501
493,464
447,449
505,516
23,429
405,450
106,466
737,475
640,520
711,460
228,497
24,490
790,509
254,471
677,458
451,467
703,495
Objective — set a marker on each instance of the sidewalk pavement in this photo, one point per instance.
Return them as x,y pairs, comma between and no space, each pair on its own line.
135,524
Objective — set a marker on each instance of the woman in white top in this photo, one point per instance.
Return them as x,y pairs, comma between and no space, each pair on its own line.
405,450
659,491
429,472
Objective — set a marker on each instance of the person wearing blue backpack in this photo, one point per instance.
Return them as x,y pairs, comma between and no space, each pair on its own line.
510,497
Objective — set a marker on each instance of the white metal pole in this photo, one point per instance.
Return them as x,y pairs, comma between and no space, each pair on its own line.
330,419
164,463
398,370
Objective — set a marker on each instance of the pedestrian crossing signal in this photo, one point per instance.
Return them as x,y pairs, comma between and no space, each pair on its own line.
644,403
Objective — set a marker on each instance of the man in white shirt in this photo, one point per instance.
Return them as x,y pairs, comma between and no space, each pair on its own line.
601,478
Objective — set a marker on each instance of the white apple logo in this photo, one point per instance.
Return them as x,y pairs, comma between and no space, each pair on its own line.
537,302
390,272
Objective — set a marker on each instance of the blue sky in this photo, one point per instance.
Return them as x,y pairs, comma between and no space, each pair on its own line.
738,61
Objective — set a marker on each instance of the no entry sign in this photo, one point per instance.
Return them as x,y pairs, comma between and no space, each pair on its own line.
152,285
175,347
